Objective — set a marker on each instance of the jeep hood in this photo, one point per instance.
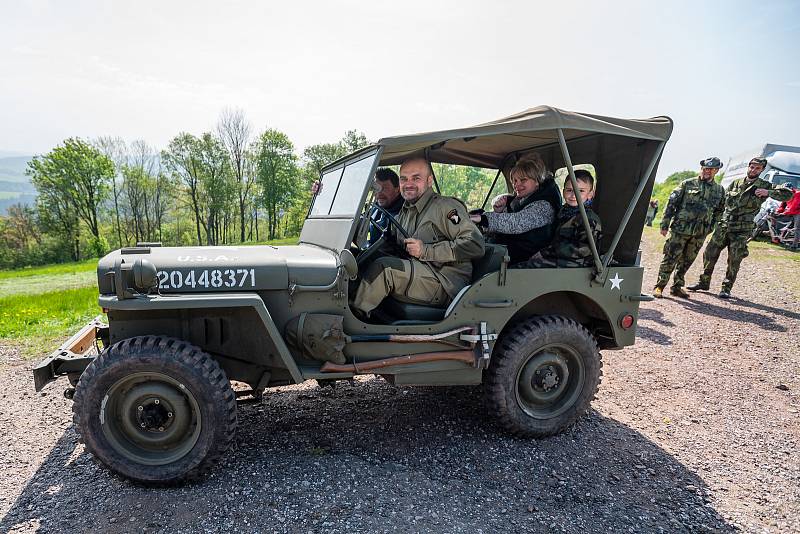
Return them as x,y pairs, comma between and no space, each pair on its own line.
204,269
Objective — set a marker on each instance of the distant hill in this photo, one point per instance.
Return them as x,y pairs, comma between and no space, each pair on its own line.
12,169
11,153
15,186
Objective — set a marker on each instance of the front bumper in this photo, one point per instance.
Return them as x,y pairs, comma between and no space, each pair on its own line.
70,357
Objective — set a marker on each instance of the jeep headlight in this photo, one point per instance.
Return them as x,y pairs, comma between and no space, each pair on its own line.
145,275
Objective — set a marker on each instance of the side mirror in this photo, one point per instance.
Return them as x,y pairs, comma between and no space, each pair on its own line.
348,261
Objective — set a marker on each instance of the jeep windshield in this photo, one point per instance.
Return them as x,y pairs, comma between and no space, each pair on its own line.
342,188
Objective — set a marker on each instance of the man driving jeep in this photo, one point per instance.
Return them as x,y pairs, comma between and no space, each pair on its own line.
387,196
441,244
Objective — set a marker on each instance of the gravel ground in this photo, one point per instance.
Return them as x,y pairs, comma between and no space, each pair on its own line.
696,428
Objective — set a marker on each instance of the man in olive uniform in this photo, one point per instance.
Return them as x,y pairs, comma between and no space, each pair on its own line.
442,244
693,208
742,201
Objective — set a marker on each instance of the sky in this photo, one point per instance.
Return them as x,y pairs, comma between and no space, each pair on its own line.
725,72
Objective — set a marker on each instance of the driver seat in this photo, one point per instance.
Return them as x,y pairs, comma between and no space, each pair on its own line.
398,312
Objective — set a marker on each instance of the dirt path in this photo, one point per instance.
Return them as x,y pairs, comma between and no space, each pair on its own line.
696,428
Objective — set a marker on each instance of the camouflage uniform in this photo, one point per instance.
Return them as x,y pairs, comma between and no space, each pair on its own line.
735,226
570,246
450,241
693,208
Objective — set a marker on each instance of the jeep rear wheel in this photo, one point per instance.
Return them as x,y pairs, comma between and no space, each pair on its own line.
543,376
155,410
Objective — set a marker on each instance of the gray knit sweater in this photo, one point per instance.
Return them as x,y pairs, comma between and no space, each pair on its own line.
534,215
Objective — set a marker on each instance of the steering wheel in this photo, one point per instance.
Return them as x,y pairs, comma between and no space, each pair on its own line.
366,255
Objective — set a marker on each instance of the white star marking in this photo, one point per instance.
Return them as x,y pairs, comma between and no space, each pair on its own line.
615,282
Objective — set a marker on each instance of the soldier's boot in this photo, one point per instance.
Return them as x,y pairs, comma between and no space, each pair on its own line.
725,293
658,292
678,292
699,286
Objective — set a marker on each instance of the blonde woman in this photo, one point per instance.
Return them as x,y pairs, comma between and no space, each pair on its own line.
526,225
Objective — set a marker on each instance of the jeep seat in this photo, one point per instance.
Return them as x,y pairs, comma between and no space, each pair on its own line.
402,312
491,260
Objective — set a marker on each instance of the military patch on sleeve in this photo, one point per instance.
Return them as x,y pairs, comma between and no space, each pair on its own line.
453,216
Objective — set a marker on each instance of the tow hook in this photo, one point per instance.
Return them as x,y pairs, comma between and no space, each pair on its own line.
69,393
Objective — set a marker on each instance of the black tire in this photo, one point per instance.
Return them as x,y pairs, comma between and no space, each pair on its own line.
544,374
155,410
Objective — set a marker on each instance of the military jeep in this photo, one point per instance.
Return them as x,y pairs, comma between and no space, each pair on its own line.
156,405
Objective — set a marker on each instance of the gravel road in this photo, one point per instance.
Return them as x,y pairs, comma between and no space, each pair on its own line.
696,428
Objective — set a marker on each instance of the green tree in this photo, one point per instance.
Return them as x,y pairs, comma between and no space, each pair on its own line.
78,172
315,157
469,184
277,174
183,159
116,150
352,141
218,187
234,131
57,217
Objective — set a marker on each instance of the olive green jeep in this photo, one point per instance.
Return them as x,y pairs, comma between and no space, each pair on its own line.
155,404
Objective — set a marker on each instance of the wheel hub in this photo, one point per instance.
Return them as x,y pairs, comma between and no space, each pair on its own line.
154,415
546,378
549,381
151,418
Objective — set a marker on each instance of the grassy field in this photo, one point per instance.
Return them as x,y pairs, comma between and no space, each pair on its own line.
51,278
40,307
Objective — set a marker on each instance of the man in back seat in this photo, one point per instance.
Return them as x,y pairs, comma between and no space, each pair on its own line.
442,244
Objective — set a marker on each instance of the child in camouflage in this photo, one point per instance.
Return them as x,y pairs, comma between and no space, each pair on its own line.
570,245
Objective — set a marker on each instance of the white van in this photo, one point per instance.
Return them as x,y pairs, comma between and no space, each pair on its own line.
783,164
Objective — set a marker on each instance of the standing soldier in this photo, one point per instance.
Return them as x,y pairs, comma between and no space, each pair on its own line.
693,208
742,201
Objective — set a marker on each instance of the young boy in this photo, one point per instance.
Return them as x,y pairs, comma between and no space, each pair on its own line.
570,245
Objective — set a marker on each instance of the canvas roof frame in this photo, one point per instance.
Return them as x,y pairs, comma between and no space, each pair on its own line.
498,144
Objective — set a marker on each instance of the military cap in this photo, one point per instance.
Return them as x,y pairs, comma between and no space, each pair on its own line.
759,161
713,163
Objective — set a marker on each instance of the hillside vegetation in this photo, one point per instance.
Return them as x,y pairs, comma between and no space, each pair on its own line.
15,187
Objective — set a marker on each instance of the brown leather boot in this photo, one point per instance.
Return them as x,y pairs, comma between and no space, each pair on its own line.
679,292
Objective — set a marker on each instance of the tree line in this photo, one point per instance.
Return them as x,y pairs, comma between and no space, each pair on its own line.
228,186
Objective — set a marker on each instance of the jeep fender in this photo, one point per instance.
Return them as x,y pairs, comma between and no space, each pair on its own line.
206,301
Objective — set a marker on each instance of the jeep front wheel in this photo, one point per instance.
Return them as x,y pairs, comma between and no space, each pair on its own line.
155,410
543,376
